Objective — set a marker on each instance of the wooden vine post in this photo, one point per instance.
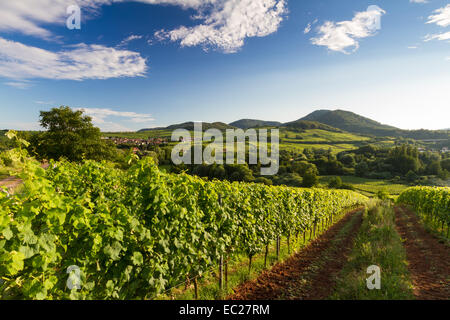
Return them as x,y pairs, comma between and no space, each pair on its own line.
221,273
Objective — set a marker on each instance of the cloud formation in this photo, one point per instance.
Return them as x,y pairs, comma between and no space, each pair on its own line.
101,117
344,35
227,23
19,61
441,17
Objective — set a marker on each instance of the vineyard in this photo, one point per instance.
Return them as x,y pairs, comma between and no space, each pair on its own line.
135,233
432,204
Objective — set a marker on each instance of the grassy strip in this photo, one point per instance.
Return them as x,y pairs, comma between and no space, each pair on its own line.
377,243
208,288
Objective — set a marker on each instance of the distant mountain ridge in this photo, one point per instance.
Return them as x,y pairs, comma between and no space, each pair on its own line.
251,123
190,126
329,120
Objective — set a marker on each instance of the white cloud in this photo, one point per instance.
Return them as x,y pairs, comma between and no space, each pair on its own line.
227,23
31,16
99,115
439,36
35,126
127,40
45,103
339,36
19,61
418,1
309,27
102,118
19,84
441,17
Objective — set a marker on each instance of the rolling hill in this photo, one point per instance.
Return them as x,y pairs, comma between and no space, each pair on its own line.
190,126
251,123
328,120
351,122
307,125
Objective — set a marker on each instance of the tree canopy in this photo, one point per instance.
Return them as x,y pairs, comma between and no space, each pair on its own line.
70,134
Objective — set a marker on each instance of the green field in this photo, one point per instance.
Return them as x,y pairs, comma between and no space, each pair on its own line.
289,140
368,186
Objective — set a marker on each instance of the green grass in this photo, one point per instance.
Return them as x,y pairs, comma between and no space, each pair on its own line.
317,135
369,186
238,269
290,140
377,243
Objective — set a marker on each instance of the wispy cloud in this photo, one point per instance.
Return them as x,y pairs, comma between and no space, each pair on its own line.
44,103
344,35
441,17
100,115
19,61
19,84
439,36
17,125
309,27
127,40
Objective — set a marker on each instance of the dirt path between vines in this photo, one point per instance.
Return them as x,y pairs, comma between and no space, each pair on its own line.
10,182
428,259
309,274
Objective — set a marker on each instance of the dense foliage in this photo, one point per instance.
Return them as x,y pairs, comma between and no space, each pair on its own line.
431,203
137,232
71,135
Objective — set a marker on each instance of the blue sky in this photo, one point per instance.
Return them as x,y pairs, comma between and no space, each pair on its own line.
149,63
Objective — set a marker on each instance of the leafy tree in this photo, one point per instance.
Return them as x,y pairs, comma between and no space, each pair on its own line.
348,160
361,169
335,183
70,135
434,168
310,179
264,180
445,164
411,176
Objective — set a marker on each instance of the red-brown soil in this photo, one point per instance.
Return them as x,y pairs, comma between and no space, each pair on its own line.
10,182
309,274
428,259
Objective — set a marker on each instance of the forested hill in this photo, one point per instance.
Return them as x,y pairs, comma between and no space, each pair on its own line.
355,123
328,120
190,126
350,122
251,123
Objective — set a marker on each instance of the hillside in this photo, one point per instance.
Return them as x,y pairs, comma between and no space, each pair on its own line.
351,122
251,123
327,120
307,125
190,126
